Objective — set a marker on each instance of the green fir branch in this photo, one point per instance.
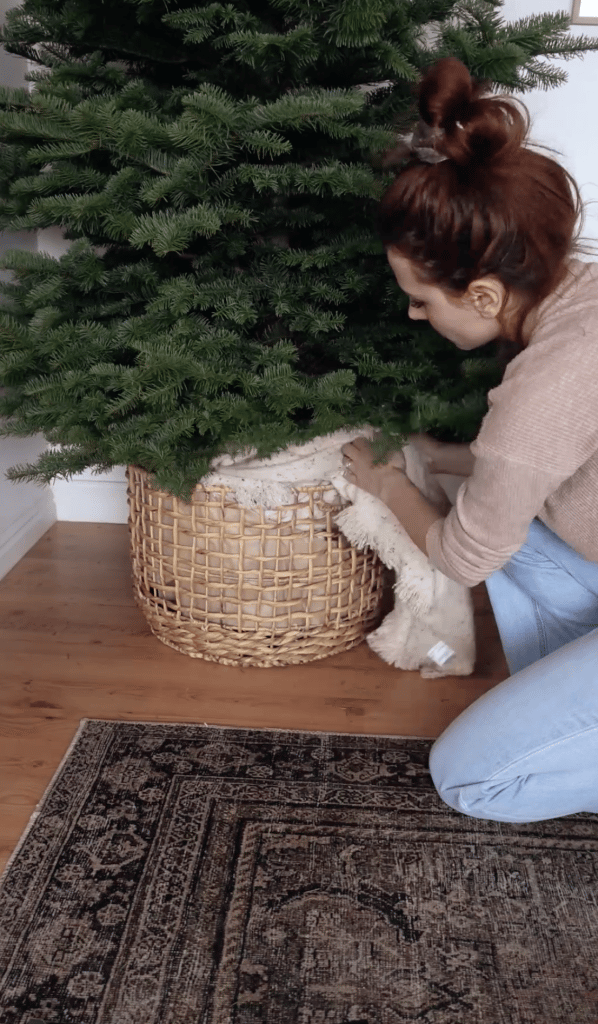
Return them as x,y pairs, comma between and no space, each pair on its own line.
216,170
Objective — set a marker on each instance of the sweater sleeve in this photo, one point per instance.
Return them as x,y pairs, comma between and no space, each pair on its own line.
490,519
537,449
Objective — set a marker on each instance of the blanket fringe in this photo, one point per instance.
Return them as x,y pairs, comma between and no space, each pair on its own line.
431,627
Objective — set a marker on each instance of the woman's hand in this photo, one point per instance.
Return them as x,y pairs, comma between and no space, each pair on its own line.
361,471
393,487
429,450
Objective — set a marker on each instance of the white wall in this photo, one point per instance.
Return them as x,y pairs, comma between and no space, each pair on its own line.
26,510
561,119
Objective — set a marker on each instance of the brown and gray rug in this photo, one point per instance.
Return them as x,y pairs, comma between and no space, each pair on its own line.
182,874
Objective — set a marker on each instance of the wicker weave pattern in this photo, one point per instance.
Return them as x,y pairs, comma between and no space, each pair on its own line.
253,587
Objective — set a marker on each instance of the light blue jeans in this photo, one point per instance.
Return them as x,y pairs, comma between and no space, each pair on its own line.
527,750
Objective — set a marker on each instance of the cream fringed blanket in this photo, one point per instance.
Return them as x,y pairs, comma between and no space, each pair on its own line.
431,627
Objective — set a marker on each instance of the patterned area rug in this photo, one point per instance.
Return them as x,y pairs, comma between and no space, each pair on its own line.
181,874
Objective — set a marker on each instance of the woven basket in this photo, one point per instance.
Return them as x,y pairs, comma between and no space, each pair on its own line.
260,587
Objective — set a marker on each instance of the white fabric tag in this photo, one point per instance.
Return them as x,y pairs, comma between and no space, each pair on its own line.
441,653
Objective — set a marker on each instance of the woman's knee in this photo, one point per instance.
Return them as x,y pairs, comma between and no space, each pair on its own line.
452,767
454,786
442,759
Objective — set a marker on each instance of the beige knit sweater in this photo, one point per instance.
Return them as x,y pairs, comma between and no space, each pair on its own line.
537,449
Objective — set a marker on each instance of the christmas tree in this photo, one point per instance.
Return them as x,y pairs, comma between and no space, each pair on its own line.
217,169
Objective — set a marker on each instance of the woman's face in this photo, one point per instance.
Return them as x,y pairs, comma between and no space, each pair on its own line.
459,320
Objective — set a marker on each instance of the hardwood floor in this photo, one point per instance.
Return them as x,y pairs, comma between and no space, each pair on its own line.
74,645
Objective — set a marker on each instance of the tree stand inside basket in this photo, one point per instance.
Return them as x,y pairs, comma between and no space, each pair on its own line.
256,587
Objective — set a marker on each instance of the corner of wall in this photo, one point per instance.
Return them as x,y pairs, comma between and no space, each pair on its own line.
23,522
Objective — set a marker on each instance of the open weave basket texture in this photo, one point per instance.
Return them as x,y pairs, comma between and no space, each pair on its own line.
250,586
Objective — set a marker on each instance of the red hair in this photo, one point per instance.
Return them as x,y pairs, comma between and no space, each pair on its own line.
494,207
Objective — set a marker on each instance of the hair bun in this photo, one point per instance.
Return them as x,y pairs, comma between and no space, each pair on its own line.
476,125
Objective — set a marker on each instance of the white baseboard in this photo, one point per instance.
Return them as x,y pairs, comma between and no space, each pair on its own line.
86,498
83,499
20,534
